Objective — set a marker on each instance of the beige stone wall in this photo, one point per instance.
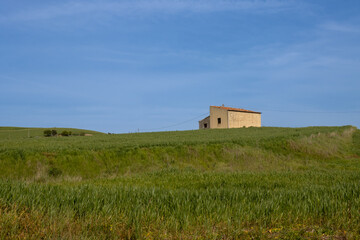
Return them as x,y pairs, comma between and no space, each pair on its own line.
216,113
230,119
243,119
203,122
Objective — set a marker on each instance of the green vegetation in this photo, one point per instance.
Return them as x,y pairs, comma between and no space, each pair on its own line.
246,183
47,133
66,133
17,133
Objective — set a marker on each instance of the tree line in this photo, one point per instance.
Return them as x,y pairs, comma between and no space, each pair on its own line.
53,133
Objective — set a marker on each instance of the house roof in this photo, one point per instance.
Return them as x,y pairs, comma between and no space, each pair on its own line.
204,119
236,109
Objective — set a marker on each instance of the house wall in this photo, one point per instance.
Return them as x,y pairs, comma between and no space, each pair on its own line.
204,121
216,113
243,119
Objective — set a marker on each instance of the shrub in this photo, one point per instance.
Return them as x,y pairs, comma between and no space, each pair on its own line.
65,133
47,133
53,132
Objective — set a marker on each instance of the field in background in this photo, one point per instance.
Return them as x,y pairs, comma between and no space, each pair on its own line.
15,133
223,183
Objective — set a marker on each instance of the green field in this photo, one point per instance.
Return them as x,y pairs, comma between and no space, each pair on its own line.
249,183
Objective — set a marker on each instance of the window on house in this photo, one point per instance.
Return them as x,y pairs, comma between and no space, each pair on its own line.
205,125
219,120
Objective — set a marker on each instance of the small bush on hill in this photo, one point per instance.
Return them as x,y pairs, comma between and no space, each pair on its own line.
65,133
47,133
53,132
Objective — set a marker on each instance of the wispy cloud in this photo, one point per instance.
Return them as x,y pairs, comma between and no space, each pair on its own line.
145,7
340,27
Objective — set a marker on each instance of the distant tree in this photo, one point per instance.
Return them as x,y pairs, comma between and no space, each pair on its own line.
70,133
53,132
65,133
47,133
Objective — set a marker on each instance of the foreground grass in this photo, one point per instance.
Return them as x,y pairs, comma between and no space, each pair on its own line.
241,184
187,205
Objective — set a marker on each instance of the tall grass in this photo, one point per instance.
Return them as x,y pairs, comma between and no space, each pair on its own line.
251,149
177,202
223,184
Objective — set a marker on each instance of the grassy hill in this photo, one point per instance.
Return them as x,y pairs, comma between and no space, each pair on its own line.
209,184
7,133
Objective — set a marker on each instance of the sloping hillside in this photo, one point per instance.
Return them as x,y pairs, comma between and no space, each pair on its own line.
255,183
251,149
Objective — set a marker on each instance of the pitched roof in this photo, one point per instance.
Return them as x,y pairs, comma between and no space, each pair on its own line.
236,109
204,119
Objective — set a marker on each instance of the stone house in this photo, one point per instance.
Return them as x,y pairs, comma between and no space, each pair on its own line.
227,117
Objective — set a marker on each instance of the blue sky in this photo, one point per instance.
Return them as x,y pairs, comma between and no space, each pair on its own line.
120,66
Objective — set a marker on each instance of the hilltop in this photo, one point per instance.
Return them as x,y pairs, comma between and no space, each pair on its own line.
23,132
